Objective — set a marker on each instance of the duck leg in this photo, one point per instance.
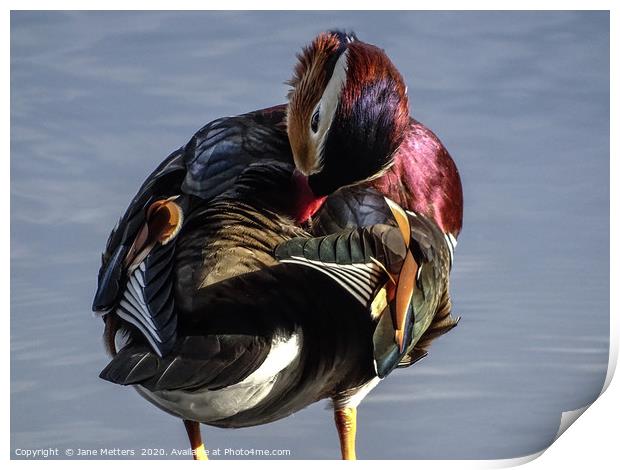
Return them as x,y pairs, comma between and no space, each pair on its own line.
195,440
346,423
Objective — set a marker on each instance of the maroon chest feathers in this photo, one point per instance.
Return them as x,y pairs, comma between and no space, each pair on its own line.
425,179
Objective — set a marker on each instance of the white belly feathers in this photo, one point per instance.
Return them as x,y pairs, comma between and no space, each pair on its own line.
212,405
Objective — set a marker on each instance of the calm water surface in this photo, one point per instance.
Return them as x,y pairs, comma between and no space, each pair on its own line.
521,100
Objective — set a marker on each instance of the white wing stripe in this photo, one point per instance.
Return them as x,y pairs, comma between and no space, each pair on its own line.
359,279
139,312
138,316
342,283
361,269
125,316
360,284
130,297
363,276
134,308
451,242
143,313
136,292
354,284
139,273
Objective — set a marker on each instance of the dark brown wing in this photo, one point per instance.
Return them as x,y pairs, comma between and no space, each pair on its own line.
363,206
206,167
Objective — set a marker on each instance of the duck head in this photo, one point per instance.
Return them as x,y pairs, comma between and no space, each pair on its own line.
347,111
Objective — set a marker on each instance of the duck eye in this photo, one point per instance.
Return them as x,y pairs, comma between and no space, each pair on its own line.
314,123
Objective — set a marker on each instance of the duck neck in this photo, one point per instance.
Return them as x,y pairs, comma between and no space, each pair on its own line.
424,179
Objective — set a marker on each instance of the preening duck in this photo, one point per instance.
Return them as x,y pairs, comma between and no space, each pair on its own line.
209,285
345,118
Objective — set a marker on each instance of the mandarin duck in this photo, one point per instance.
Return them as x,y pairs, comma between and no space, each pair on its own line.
217,227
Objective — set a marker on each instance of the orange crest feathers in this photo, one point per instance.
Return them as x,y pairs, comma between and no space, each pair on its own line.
368,64
312,60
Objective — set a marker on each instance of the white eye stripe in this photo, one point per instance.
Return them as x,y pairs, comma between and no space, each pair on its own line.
328,105
451,242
